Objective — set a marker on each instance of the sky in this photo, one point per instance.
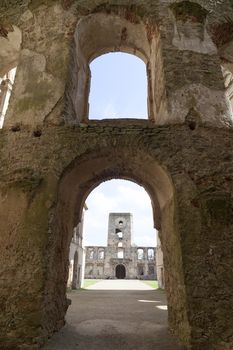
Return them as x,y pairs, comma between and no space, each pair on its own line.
118,89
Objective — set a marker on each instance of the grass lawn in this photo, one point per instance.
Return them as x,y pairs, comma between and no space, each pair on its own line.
89,282
152,283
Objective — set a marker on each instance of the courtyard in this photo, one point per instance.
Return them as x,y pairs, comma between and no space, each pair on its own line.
115,314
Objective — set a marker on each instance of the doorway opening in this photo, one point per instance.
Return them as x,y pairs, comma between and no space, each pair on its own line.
120,271
119,219
79,180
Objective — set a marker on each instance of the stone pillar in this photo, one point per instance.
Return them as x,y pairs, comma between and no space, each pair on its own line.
204,216
28,313
159,264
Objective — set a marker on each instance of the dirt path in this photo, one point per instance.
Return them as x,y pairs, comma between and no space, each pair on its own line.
115,320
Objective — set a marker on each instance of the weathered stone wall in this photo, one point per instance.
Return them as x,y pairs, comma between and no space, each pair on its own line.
38,224
105,267
49,167
170,36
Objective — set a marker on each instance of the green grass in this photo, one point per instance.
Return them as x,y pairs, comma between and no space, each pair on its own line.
89,282
151,283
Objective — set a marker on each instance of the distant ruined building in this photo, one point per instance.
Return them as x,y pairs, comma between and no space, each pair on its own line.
120,259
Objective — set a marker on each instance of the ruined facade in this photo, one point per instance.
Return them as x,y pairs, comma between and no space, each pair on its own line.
52,155
120,259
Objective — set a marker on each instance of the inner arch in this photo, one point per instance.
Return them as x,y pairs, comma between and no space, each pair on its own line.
81,179
85,173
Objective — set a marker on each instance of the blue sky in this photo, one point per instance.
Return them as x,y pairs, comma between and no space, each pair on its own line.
118,89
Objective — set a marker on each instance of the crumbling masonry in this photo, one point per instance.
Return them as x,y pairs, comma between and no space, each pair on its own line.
52,156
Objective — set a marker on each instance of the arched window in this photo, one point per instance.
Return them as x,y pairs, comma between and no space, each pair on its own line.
119,233
120,253
101,254
140,254
151,254
91,253
118,87
116,33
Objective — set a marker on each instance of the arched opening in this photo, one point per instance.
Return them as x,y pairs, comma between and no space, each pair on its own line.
101,254
76,184
118,87
140,254
119,218
120,271
120,253
114,33
151,253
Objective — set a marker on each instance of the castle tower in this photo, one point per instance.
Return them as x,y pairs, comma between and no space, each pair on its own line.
120,230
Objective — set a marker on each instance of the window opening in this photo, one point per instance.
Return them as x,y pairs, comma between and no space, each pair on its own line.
101,254
151,254
91,254
140,253
120,223
118,87
120,235
120,254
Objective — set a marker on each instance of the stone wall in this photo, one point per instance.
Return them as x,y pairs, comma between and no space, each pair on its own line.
104,266
39,212
52,44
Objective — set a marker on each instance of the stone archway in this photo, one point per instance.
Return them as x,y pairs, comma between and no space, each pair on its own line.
120,271
84,174
188,210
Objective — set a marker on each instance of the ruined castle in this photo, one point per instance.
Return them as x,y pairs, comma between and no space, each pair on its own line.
120,259
52,155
